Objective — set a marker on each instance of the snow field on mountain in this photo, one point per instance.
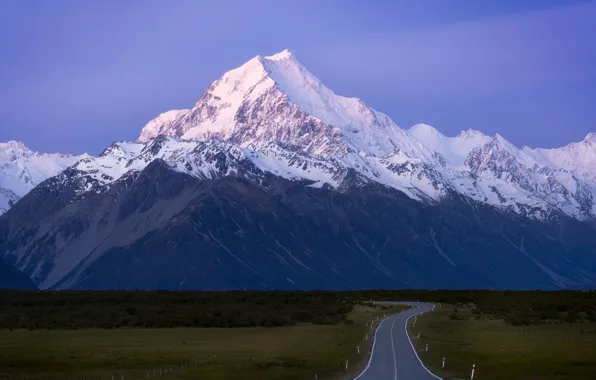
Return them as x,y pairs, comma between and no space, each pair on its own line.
273,112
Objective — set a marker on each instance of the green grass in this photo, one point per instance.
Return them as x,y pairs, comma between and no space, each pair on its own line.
501,351
296,352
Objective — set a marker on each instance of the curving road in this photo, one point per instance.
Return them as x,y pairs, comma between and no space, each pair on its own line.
393,356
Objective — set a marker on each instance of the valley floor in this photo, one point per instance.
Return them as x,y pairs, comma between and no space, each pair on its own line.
293,352
502,351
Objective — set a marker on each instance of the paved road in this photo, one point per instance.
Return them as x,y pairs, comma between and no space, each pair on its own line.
393,356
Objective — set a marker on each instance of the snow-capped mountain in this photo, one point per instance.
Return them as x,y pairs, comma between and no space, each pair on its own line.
275,100
273,181
273,113
21,170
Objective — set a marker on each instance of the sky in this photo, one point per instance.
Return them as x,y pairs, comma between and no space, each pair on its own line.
77,75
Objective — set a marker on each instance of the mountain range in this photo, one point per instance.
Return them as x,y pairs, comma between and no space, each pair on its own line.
271,180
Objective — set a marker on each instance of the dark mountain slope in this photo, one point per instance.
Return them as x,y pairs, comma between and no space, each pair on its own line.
12,278
164,229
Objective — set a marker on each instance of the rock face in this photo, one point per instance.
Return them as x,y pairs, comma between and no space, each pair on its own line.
272,181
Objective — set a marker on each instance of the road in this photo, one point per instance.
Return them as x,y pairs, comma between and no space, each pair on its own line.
393,356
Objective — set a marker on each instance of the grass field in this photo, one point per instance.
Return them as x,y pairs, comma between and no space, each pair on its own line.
296,352
501,351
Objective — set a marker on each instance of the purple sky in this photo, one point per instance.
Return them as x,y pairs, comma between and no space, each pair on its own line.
77,75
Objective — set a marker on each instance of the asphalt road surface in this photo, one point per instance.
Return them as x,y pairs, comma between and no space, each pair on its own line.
393,356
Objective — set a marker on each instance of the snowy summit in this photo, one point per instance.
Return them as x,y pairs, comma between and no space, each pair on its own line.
276,100
272,115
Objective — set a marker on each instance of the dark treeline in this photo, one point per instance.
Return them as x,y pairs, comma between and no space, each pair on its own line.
515,307
111,309
157,309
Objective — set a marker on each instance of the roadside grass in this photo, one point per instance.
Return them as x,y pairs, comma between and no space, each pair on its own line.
294,352
501,351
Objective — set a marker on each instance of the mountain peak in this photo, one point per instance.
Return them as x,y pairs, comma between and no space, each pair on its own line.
13,145
13,150
502,143
590,138
160,125
425,129
282,55
276,99
21,169
470,133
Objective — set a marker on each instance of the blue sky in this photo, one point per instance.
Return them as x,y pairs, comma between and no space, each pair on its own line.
77,75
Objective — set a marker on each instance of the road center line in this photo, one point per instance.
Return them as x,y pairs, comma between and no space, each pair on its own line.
393,348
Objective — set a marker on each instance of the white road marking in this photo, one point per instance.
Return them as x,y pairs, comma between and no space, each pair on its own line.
393,348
